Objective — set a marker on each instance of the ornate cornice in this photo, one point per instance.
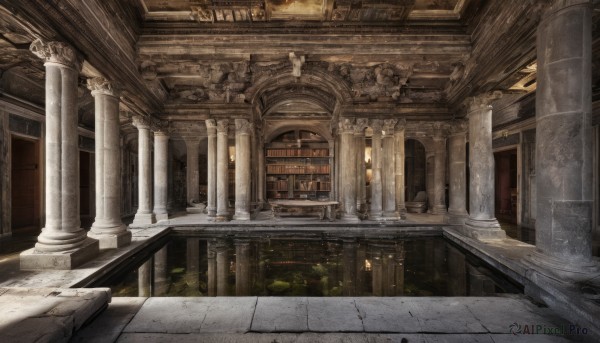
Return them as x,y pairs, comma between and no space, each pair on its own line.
100,85
57,52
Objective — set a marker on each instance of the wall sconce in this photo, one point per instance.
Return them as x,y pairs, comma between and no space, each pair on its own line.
232,154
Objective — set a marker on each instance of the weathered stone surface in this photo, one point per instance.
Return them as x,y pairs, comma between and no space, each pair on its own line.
274,314
333,315
388,314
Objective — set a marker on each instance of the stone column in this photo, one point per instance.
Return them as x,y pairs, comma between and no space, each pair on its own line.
161,174
222,170
192,176
360,143
348,169
388,173
564,159
377,273
429,178
211,175
260,173
481,223
243,129
108,228
144,215
222,268
457,210
400,162
242,267
439,171
376,186
63,244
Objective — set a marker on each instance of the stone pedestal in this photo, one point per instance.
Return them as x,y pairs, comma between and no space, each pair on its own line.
348,170
222,170
481,223
211,175
144,215
400,162
108,228
243,130
192,176
388,166
439,173
161,155
564,141
376,210
63,244
360,143
457,210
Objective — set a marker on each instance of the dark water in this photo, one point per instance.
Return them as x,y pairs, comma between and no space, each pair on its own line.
192,266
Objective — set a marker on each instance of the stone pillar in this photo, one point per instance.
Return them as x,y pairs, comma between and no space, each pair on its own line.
243,129
222,268
192,175
161,281
242,267
348,169
144,215
376,186
260,173
481,223
161,174
222,170
563,158
211,175
439,171
388,173
360,143
429,178
63,244
457,211
145,279
108,228
399,168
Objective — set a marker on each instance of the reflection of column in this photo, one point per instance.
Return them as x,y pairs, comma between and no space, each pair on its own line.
399,259
161,154
349,264
439,172
457,211
564,140
161,283
388,174
242,267
481,223
389,275
361,269
479,284
144,215
360,143
108,228
243,130
457,273
348,169
222,268
192,273
260,156
376,186
429,181
400,158
377,273
192,176
211,271
62,237
145,279
222,170
211,180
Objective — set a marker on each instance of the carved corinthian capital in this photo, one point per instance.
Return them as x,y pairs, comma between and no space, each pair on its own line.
361,125
57,52
243,127
141,123
389,125
223,126
482,101
377,126
347,125
100,85
211,127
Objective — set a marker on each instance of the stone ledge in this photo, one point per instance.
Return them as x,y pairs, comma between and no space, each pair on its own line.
66,260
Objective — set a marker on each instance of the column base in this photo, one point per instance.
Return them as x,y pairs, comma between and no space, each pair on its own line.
143,219
161,216
402,212
439,209
391,216
375,215
350,217
111,240
454,218
241,216
563,269
483,229
64,260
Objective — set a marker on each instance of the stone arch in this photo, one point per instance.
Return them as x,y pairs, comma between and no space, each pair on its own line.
278,130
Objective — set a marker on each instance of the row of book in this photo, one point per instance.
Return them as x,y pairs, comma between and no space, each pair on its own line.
295,169
297,152
280,185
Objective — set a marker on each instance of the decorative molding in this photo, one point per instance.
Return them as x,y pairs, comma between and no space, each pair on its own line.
57,52
100,85
482,101
346,125
243,127
388,126
223,126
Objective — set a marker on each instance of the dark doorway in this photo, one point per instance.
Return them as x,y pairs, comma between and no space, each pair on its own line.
25,186
506,186
414,168
86,191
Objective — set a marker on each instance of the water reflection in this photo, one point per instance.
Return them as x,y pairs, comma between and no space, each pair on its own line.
195,266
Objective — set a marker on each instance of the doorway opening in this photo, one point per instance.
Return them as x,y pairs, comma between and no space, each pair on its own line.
506,194
25,186
415,171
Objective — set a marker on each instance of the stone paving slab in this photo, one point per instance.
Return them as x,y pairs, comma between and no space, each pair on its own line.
277,314
388,314
47,314
333,315
229,315
446,315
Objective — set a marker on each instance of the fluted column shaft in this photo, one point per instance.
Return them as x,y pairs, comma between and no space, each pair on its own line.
348,169
192,176
161,155
211,175
243,130
144,215
62,231
376,185
439,175
388,172
360,143
399,134
108,228
222,170
457,210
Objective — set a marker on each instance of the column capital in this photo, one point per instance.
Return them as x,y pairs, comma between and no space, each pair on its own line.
100,85
401,124
388,126
458,127
346,125
223,126
57,52
481,101
361,125
440,130
376,126
162,133
142,123
211,127
243,127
